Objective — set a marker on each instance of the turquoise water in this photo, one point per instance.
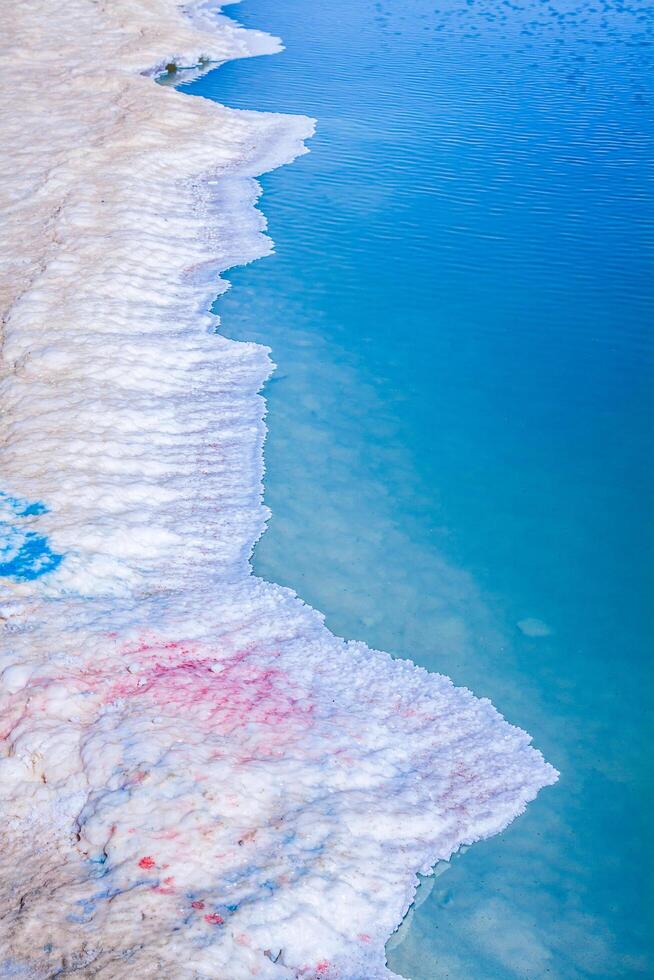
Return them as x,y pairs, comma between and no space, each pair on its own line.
459,461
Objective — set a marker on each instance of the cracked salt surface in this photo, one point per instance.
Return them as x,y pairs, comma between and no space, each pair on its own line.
197,778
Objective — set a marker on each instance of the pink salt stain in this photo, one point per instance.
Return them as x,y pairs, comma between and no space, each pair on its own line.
147,862
167,886
319,970
176,677
364,937
214,919
197,905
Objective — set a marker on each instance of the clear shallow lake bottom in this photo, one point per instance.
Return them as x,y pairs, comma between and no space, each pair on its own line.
459,462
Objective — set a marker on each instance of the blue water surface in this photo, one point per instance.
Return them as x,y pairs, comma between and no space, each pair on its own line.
459,462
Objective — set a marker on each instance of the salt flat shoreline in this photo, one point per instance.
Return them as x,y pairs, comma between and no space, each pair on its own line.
199,780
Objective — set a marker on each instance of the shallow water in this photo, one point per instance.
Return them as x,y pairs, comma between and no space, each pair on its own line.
459,458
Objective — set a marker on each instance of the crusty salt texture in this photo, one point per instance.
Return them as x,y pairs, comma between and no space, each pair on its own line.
197,778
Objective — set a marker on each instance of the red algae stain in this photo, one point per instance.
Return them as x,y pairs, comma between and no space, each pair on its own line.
214,689
214,919
364,937
147,862
197,905
220,695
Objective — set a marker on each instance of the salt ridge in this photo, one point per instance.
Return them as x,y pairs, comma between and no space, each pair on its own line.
198,779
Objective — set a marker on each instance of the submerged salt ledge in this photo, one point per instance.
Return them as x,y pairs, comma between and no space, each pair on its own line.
199,780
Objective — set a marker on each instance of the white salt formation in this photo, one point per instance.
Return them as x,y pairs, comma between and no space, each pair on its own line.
197,779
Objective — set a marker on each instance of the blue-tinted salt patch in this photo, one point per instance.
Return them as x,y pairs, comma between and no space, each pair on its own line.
20,508
24,554
459,457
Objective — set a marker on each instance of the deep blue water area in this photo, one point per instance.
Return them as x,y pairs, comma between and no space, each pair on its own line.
459,462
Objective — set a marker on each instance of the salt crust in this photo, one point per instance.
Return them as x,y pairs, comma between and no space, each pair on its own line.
197,778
